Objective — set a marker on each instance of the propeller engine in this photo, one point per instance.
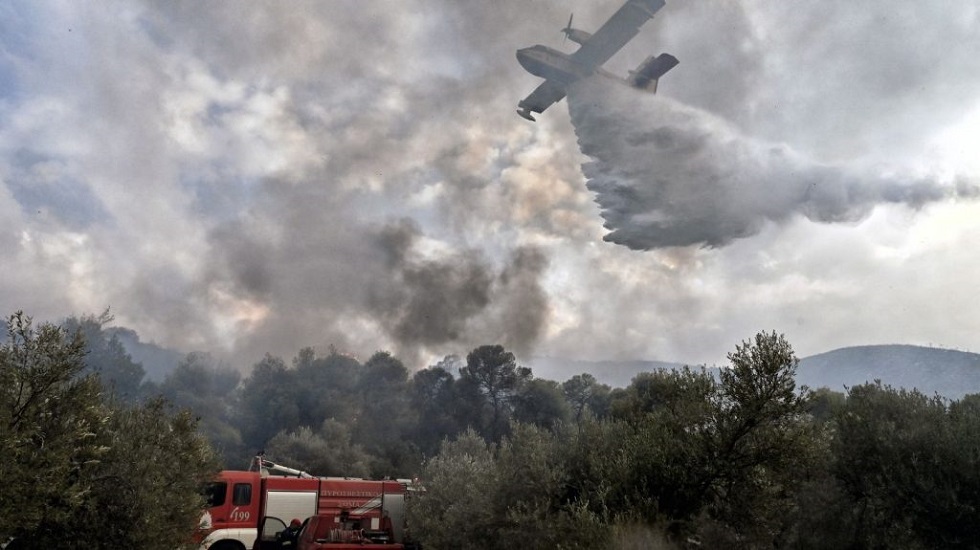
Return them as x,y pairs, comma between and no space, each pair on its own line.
575,35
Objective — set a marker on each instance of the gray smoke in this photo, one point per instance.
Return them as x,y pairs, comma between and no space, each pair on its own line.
428,301
524,310
457,298
665,174
226,182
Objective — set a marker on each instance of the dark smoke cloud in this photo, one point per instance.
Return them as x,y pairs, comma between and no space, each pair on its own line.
524,302
457,298
428,301
666,174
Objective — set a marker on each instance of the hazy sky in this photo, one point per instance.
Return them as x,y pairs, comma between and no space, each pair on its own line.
244,178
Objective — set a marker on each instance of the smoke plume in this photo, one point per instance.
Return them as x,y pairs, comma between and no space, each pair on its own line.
456,297
665,174
226,178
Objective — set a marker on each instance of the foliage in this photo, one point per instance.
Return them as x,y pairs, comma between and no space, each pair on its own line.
293,410
764,438
105,472
269,402
207,389
532,466
456,505
685,455
320,387
144,493
911,467
585,395
433,399
384,415
50,416
477,494
540,402
743,459
328,451
824,403
495,373
106,356
669,446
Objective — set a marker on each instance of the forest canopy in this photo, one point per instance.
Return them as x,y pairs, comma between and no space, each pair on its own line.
739,457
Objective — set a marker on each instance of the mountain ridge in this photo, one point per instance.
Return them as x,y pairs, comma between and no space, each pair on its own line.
946,372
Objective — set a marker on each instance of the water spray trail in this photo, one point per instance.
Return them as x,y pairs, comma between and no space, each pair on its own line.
666,174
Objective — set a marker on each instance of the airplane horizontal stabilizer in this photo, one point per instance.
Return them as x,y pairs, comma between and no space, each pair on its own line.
647,73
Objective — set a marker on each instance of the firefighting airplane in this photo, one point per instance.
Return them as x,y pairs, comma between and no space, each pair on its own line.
560,69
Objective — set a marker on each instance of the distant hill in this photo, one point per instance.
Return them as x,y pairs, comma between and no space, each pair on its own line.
949,373
157,361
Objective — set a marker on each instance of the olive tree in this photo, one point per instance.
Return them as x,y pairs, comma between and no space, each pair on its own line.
49,418
81,471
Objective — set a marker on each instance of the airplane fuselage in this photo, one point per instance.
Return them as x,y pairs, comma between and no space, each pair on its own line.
560,70
551,64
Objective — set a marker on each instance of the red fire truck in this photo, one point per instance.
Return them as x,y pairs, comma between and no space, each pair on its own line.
251,509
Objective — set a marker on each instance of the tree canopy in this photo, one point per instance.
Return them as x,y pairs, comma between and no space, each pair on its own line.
80,463
734,458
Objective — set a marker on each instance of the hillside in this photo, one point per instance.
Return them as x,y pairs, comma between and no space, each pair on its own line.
949,373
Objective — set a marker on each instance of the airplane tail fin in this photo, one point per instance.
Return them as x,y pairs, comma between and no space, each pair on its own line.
648,73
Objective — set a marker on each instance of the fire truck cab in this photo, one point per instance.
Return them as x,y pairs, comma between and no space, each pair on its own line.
251,509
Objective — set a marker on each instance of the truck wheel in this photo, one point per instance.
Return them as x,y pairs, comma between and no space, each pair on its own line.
228,545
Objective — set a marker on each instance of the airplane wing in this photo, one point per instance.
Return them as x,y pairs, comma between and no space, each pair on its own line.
540,99
615,33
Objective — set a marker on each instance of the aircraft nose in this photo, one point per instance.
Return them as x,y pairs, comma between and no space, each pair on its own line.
523,56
